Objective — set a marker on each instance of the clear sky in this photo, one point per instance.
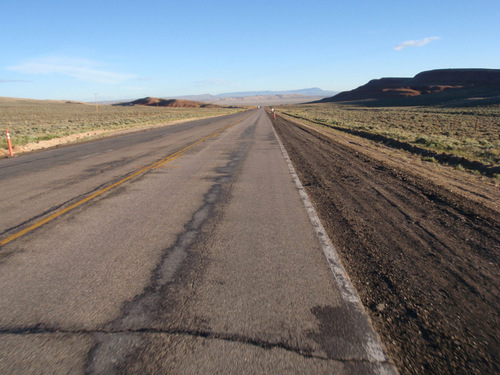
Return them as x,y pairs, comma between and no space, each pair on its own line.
123,49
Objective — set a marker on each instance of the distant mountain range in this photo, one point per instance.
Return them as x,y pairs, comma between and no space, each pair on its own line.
451,86
303,92
265,97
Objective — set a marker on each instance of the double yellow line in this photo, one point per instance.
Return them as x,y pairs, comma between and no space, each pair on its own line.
157,164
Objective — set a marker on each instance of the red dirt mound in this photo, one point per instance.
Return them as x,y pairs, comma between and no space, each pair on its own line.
158,102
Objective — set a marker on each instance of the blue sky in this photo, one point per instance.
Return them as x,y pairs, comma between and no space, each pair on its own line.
130,49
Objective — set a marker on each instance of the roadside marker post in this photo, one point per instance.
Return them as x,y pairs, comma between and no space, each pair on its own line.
9,143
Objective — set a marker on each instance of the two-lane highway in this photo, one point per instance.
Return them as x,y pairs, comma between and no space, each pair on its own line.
200,258
36,185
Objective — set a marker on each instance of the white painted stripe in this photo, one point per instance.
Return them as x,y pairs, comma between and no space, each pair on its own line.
372,345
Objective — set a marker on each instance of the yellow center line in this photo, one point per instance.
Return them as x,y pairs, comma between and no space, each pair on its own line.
157,164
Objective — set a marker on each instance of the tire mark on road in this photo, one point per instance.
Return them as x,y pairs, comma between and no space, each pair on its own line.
113,350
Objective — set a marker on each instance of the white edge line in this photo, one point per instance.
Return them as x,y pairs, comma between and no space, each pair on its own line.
373,345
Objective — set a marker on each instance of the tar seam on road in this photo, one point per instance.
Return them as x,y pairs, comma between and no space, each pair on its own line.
111,350
178,331
373,346
157,164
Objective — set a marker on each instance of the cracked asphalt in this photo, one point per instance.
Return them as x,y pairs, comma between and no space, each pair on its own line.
206,264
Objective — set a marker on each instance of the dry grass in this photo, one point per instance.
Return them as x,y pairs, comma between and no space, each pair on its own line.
473,133
31,121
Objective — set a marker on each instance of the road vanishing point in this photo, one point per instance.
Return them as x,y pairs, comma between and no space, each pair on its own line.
189,248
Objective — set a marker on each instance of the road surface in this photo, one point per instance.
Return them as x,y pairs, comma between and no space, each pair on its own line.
184,249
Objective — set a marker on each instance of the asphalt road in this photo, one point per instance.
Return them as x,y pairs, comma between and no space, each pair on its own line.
184,249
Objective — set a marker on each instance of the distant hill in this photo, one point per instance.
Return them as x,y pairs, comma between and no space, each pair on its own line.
159,102
265,100
458,86
26,101
315,91
249,98
263,97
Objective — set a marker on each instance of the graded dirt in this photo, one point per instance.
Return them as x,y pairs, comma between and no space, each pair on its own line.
420,242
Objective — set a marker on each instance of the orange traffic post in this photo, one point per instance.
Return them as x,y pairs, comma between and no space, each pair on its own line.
9,143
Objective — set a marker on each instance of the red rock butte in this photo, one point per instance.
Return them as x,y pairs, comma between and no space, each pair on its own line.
437,86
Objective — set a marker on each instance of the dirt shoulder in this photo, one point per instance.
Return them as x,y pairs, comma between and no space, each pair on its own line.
419,241
484,190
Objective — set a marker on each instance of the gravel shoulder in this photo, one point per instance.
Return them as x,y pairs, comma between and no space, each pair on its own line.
419,241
